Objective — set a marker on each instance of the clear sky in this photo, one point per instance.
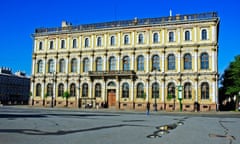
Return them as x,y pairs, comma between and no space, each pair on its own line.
19,19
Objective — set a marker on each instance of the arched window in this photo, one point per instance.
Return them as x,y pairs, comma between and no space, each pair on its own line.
125,90
38,90
86,44
126,39
49,90
62,44
99,64
62,66
204,61
74,65
126,63
112,63
140,39
99,41
171,90
51,46
85,90
60,90
140,63
72,89
40,66
171,37
112,41
74,43
140,91
85,65
187,91
111,84
187,35
40,46
187,61
98,90
50,66
155,38
155,62
155,90
204,90
171,62
204,34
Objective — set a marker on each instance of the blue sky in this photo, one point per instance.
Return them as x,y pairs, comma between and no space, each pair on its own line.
19,19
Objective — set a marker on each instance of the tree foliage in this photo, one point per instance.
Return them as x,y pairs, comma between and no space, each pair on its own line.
231,78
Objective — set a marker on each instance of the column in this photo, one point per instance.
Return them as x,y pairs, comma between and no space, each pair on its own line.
56,44
133,62
133,38
179,60
195,34
214,35
147,91
196,90
91,62
67,64
178,33
104,62
79,64
163,90
213,60
92,40
33,65
147,62
105,40
196,60
163,40
214,91
147,35
118,66
163,62
90,88
55,63
132,95
43,89
80,42
68,45
32,90
119,39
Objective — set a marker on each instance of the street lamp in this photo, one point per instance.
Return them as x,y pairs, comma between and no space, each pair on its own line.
180,88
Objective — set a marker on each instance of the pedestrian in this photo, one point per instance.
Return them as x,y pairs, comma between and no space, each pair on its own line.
148,108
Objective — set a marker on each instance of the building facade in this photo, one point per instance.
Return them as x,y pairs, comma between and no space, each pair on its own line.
170,62
14,88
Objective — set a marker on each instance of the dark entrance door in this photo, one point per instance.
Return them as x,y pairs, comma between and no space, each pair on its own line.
111,98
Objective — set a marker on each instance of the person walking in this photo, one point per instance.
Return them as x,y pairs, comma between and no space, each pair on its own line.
148,108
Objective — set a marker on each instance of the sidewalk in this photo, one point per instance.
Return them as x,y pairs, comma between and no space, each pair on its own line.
115,111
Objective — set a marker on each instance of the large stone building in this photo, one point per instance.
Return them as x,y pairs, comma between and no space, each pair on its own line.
14,88
170,62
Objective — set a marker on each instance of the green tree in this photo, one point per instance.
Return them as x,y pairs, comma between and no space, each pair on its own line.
66,95
230,79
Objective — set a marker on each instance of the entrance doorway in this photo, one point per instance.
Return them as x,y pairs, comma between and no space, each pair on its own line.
111,98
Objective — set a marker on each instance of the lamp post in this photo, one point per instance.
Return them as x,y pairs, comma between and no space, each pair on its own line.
180,96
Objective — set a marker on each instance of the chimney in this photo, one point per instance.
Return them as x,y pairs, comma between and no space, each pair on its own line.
65,23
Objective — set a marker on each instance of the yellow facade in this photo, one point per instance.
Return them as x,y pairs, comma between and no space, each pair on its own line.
113,63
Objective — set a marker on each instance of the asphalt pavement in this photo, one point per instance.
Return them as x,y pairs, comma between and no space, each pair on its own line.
27,125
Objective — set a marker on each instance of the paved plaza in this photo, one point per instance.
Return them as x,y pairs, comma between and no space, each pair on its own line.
63,126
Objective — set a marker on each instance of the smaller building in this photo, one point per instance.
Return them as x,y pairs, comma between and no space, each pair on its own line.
14,88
